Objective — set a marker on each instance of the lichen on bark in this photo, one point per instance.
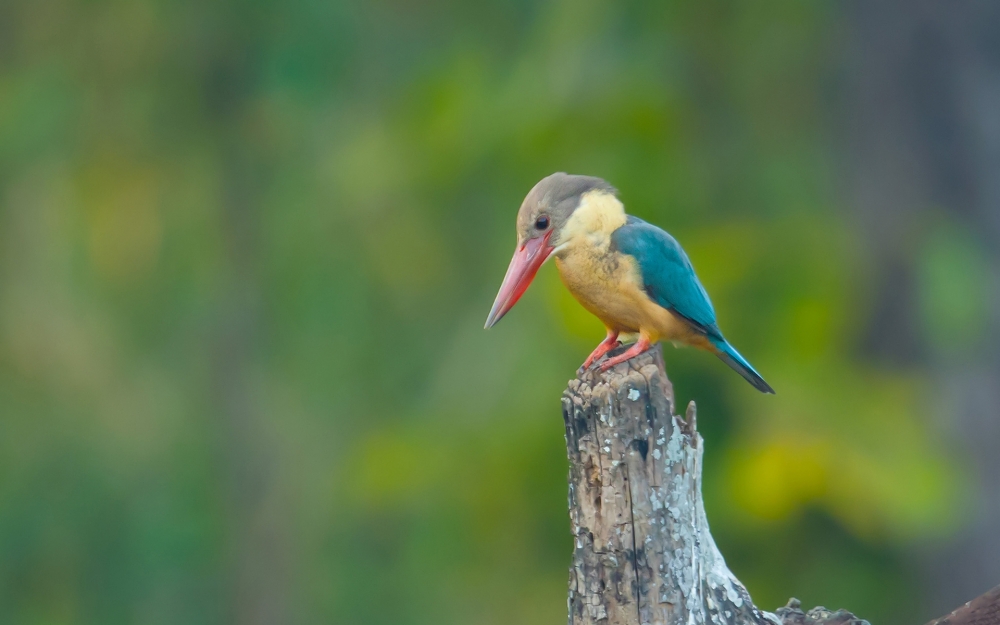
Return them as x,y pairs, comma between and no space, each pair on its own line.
642,552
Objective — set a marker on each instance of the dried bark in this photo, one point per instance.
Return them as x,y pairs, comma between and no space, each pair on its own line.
983,610
643,553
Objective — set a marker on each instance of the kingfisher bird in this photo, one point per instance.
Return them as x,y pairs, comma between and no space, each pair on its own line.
630,274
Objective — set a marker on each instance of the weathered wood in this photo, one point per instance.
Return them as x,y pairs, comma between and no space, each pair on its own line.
643,553
792,614
983,610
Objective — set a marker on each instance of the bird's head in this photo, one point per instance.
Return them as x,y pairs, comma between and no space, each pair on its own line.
544,214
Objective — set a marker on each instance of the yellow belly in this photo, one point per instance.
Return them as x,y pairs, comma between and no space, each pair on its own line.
609,285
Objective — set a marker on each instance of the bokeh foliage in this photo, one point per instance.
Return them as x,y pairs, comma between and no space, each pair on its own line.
246,250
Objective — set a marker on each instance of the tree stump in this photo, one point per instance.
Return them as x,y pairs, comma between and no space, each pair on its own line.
643,553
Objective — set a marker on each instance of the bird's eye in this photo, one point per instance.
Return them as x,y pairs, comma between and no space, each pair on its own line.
542,222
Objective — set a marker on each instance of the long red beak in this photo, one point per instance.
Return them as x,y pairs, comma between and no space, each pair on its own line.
523,267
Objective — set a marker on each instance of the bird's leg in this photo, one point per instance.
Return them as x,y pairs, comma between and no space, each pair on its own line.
604,347
640,346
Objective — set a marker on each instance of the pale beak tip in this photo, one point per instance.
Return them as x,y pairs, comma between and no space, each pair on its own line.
491,320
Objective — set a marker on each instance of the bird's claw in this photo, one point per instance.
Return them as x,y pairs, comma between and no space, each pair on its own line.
637,348
607,364
599,353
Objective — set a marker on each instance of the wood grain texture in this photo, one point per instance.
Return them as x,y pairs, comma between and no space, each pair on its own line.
643,553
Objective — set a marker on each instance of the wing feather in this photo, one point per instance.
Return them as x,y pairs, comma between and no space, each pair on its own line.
667,274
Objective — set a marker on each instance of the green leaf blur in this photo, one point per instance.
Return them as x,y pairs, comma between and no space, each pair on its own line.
246,251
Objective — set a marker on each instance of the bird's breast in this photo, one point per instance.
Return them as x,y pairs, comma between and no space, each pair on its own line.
609,285
606,283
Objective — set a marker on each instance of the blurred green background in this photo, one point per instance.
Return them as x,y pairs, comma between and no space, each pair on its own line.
247,248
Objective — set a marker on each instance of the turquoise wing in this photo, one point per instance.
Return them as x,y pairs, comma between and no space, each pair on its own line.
670,281
667,274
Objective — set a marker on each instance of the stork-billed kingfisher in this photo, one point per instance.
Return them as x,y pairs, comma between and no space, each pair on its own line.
632,275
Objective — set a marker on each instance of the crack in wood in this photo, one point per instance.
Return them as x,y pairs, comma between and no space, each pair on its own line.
643,553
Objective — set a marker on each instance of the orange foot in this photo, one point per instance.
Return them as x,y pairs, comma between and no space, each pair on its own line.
606,346
640,346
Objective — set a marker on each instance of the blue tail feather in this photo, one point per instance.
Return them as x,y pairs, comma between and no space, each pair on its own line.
728,354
